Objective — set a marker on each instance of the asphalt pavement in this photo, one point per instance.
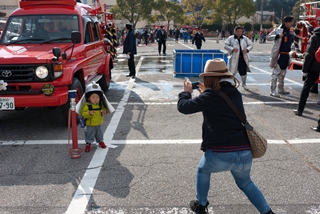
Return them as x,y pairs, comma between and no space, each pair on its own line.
153,150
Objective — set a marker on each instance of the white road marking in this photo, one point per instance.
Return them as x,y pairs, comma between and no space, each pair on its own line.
289,80
186,45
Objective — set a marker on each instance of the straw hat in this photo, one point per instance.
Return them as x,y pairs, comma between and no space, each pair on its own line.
215,68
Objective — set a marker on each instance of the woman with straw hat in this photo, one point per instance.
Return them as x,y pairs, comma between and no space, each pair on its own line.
224,139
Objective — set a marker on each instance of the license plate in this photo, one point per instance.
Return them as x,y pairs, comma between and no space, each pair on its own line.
7,103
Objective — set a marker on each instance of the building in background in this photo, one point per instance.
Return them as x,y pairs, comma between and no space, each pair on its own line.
7,7
256,18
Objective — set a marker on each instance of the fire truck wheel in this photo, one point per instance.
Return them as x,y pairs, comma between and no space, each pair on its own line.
75,85
104,82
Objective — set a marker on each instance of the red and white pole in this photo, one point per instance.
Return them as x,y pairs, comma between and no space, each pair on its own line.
75,150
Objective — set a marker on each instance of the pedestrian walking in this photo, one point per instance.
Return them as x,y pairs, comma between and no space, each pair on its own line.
217,36
94,105
256,37
191,35
176,35
224,139
279,61
161,39
130,49
223,33
263,36
238,47
310,70
146,36
198,38
119,37
137,36
253,34
185,36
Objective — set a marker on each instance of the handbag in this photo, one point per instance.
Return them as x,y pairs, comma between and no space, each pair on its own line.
258,143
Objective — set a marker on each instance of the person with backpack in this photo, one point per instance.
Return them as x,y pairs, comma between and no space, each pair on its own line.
95,106
310,70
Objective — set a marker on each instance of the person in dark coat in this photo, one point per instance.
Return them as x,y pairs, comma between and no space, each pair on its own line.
198,38
224,139
310,69
176,34
146,36
161,39
130,49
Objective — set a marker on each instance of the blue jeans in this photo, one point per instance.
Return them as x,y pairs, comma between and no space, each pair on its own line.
239,164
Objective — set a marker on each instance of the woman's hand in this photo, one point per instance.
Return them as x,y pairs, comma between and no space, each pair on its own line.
187,85
201,87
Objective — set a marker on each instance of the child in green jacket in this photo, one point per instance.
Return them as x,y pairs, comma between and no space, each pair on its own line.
94,105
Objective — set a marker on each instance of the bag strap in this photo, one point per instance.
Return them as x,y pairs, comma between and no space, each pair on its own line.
241,117
91,108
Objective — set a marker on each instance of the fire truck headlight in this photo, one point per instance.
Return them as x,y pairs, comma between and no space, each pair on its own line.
42,72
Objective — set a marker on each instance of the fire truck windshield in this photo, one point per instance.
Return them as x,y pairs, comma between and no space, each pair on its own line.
39,29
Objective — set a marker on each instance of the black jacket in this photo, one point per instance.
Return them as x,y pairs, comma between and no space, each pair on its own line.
220,127
310,63
130,43
198,38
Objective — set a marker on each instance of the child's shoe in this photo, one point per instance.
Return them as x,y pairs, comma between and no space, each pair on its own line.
102,145
88,147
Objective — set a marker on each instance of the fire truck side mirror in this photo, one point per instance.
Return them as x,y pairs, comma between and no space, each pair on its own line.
56,52
75,37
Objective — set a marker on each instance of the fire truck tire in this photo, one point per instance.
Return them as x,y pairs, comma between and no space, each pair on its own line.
75,85
104,82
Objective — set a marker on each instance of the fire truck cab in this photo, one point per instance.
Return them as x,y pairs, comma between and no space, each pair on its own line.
47,48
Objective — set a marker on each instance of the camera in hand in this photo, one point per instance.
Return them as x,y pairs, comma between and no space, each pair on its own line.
195,85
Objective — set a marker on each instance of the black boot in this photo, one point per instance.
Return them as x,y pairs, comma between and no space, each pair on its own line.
198,208
270,212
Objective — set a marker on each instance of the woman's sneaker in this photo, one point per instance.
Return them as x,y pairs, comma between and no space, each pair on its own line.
198,208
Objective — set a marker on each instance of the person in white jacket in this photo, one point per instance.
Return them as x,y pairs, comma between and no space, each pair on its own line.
238,46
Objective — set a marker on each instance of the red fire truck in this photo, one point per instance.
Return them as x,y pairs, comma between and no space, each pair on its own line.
303,30
47,48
